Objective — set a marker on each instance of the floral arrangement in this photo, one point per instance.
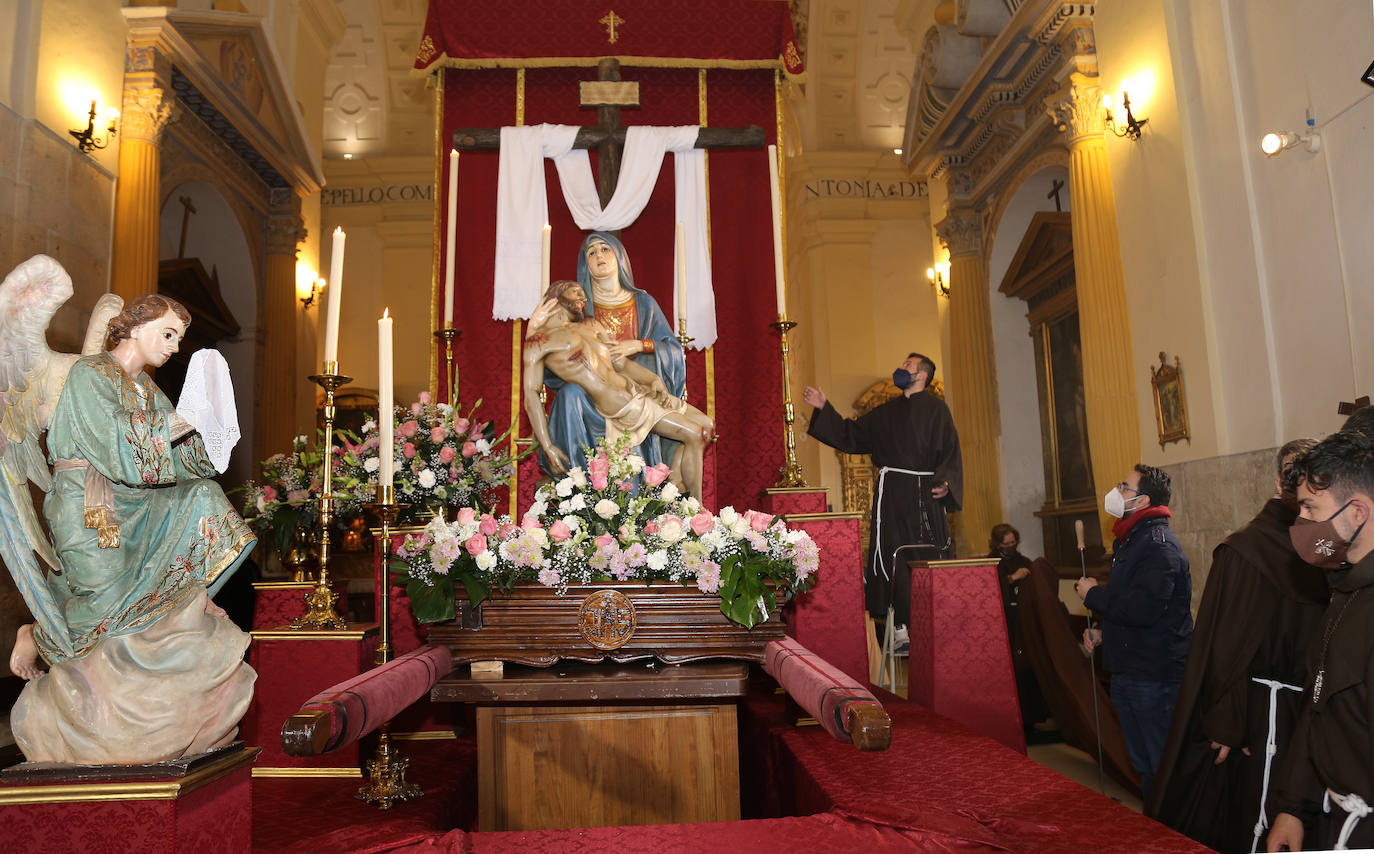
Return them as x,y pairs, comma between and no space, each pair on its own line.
285,502
600,525
445,459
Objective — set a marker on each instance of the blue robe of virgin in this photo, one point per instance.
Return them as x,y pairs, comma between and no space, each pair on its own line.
574,422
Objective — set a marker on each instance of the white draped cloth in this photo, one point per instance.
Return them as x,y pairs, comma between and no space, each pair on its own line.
522,209
207,401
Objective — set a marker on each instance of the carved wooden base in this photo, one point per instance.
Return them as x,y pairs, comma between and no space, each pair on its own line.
535,626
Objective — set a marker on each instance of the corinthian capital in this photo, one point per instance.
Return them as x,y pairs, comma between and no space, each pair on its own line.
961,233
145,114
1078,110
284,231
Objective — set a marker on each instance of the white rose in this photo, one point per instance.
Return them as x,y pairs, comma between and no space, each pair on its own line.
371,464
578,477
486,560
728,515
669,491
670,532
577,502
657,559
606,508
739,527
483,446
539,536
565,487
426,478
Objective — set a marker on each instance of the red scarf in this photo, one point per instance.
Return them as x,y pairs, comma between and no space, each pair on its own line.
1123,525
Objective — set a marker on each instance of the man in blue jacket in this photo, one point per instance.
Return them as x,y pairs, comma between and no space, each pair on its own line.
1146,616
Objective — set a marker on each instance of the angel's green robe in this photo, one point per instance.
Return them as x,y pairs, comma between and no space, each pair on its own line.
178,534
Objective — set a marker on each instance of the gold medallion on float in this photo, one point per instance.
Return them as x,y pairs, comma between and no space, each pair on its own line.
607,619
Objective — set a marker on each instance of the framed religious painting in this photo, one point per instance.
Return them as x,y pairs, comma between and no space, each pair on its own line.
1171,405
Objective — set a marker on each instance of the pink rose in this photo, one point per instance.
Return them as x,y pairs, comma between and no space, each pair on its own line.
759,521
425,398
437,435
446,455
466,516
651,527
476,544
410,428
269,494
604,541
488,525
626,486
559,531
297,496
702,523
530,523
599,480
469,449
415,409
460,425
624,533
656,474
599,465
508,530
408,451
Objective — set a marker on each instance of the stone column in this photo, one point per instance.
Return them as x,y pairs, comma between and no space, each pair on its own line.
277,401
133,261
972,380
1109,386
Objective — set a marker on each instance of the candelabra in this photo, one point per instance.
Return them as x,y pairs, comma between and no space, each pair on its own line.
684,339
387,772
319,602
791,471
448,335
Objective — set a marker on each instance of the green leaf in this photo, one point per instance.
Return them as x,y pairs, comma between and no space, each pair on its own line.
284,527
431,604
476,590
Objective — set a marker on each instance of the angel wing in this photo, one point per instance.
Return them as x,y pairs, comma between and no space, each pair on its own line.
31,380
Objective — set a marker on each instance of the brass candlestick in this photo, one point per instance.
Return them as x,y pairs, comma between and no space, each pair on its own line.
387,772
448,335
319,602
684,339
791,471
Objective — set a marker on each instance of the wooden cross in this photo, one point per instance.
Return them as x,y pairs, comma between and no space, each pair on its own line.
608,93
185,221
1054,193
1350,408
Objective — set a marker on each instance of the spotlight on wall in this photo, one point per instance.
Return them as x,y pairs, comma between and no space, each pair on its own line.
85,139
1133,125
939,277
1273,144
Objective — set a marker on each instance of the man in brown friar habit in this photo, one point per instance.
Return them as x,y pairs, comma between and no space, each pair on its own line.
1242,687
1327,777
915,449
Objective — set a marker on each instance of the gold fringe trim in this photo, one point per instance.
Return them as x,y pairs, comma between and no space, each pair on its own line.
446,61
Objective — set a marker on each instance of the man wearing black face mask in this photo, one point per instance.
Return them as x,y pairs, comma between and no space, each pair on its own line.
1328,775
1242,687
920,475
1146,616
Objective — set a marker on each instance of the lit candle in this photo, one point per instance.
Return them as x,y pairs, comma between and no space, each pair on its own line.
451,247
680,294
780,282
386,413
546,240
331,325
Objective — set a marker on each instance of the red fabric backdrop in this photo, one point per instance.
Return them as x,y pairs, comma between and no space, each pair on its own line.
748,372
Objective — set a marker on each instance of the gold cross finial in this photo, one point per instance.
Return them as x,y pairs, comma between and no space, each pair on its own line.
610,22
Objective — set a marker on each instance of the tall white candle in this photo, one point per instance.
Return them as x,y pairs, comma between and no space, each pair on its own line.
780,282
331,324
386,409
546,241
451,249
680,293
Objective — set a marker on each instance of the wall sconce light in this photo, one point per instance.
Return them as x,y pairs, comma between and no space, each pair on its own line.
85,139
307,287
1274,144
1133,125
939,277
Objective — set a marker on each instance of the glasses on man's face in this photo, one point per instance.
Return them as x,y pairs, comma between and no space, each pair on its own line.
1125,486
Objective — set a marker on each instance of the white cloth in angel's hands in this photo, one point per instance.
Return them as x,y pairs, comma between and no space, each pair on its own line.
207,401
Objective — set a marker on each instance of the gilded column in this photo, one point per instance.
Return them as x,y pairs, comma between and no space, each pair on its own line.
133,261
1109,387
972,380
277,402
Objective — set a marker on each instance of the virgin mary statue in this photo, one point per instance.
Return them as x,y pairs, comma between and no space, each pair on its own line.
638,329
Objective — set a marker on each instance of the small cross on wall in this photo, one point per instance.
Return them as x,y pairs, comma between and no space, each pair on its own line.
610,22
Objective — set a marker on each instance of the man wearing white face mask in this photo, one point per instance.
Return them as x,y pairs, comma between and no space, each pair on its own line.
1146,615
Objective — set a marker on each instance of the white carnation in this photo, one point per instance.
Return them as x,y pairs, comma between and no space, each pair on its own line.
486,560
578,477
426,479
669,491
606,508
538,508
466,532
636,463
714,538
565,487
483,446
657,559
369,425
572,522
577,502
371,464
691,506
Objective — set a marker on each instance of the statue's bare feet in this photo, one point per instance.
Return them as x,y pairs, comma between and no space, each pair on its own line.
24,659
